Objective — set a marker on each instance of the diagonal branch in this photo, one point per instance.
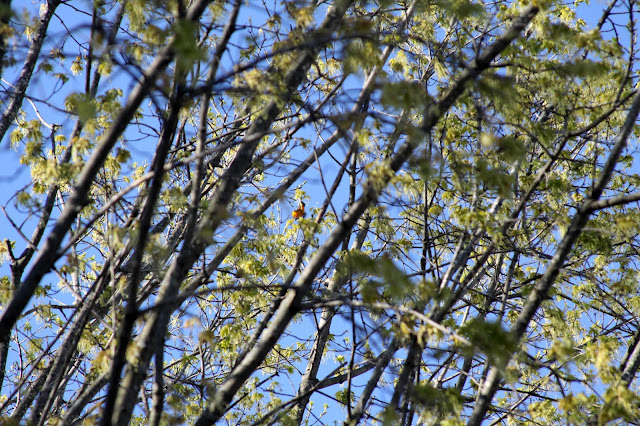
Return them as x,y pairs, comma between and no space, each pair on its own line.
614,201
156,326
48,254
541,290
20,87
291,303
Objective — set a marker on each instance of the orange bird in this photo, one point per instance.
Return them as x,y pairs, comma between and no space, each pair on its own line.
299,212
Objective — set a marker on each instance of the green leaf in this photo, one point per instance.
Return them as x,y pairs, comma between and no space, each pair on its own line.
491,339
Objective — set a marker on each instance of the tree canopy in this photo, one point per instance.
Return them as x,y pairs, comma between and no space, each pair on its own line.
311,212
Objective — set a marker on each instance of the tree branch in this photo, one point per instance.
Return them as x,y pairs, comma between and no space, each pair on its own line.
24,78
371,191
541,290
48,254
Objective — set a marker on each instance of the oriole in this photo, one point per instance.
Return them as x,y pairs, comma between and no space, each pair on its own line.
299,212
